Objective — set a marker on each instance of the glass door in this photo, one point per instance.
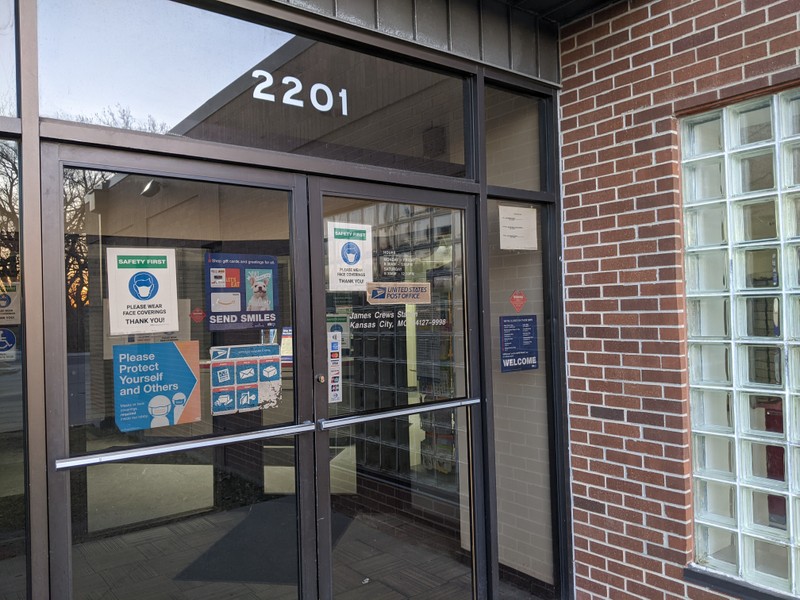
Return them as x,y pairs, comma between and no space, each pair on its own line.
180,424
395,440
256,388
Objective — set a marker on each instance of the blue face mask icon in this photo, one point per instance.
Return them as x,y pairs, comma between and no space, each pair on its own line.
143,286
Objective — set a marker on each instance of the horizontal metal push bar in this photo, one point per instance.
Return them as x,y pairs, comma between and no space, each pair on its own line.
325,424
122,455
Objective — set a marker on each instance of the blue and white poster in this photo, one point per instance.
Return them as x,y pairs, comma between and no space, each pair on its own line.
155,385
349,257
142,290
518,343
8,344
241,291
245,378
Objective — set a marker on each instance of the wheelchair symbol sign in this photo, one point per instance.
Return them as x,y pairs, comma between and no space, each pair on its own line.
8,344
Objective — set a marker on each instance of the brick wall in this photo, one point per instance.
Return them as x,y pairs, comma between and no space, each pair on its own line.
627,71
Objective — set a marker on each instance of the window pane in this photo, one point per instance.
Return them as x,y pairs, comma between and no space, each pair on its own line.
765,413
706,226
417,522
710,364
762,316
709,317
223,520
704,136
402,352
753,124
512,139
764,365
716,502
707,271
791,113
8,60
207,76
232,288
711,409
759,268
13,562
704,180
754,172
766,512
717,548
757,220
714,455
519,393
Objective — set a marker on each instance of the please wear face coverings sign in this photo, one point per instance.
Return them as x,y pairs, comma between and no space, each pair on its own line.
142,290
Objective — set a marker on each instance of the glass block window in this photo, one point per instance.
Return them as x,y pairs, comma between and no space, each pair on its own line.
741,191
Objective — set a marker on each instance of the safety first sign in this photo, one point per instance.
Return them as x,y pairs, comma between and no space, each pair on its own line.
349,256
142,290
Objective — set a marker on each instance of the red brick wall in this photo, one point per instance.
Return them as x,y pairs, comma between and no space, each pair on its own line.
627,71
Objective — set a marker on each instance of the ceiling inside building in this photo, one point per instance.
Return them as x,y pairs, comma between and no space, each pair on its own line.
561,11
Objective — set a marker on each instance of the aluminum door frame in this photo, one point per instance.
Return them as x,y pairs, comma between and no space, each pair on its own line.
54,158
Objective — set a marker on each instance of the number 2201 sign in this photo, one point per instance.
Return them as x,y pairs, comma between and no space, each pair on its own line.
320,95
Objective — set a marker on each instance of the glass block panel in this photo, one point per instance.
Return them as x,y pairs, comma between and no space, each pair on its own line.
764,413
706,226
791,212
717,548
704,180
791,113
765,511
714,455
758,268
715,502
710,364
756,220
703,136
754,171
707,271
766,563
765,461
752,124
763,365
712,409
791,153
709,317
760,316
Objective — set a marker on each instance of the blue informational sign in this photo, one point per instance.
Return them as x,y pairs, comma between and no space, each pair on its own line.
8,344
241,291
155,385
518,343
245,378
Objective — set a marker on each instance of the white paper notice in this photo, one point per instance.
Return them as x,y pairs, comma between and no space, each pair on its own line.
349,256
142,290
518,228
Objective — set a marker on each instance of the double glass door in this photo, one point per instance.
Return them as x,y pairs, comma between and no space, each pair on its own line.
258,384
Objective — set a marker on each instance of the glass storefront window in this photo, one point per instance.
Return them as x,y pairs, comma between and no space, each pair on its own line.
519,399
744,357
207,76
13,544
8,59
512,139
215,292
